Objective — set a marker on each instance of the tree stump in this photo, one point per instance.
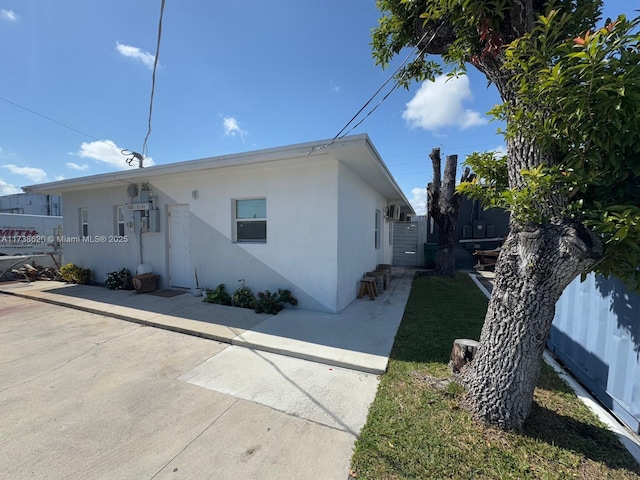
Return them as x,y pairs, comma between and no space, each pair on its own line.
462,353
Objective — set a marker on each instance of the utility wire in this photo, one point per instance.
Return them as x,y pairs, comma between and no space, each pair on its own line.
391,77
54,121
340,134
396,85
153,79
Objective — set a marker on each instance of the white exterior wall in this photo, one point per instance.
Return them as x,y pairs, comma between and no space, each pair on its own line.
301,249
320,227
300,252
387,241
357,205
99,257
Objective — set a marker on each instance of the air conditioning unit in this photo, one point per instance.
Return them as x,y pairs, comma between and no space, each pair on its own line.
394,212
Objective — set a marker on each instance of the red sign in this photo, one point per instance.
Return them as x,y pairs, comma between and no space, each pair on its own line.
19,232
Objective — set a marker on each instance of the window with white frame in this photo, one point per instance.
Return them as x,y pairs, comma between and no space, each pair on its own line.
119,223
250,222
377,230
84,222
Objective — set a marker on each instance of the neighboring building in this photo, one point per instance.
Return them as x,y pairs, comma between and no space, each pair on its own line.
307,217
31,204
476,229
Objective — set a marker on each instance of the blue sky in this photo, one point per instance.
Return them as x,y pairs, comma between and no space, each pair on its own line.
232,77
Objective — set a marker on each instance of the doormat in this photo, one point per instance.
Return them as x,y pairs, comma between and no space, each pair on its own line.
167,293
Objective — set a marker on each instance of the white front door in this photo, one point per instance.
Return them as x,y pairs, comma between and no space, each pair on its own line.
181,273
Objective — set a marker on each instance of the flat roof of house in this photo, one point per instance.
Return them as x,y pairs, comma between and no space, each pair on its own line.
349,150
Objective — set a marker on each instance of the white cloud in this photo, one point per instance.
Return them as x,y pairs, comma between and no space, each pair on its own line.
106,151
439,104
500,150
59,177
8,15
418,200
335,89
232,128
134,52
32,173
8,189
75,166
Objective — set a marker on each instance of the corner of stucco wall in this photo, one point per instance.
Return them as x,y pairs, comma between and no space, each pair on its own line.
357,205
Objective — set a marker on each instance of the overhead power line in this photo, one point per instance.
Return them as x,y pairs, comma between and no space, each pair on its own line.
340,134
133,155
53,120
126,151
153,79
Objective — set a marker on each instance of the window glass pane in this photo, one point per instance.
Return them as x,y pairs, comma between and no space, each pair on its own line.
253,208
121,214
84,215
252,231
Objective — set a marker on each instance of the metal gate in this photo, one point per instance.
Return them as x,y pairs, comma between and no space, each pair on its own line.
406,245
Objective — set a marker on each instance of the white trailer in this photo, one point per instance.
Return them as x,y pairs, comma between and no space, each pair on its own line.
30,235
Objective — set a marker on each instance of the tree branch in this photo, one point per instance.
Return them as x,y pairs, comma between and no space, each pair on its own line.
434,37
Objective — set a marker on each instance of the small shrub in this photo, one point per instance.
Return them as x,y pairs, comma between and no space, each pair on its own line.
268,303
112,281
285,296
243,298
272,303
119,280
83,276
218,296
74,274
66,272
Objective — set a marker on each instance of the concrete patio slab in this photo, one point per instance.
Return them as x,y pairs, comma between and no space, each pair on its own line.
332,396
360,337
182,313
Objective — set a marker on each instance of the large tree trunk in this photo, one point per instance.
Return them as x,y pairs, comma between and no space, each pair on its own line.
533,269
445,259
535,265
443,205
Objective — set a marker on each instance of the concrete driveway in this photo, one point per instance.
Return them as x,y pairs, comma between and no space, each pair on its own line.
85,396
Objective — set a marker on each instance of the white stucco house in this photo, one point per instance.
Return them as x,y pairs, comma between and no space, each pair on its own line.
309,217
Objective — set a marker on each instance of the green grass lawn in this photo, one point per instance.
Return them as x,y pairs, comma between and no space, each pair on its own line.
416,429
